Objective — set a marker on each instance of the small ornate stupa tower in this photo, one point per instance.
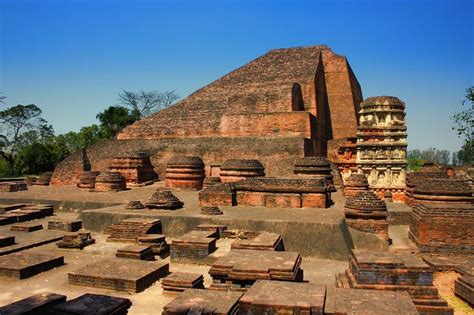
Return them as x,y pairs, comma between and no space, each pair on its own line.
382,145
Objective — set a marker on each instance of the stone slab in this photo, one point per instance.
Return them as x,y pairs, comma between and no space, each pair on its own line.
26,264
120,274
199,301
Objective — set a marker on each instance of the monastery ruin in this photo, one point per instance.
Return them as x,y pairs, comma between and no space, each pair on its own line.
276,189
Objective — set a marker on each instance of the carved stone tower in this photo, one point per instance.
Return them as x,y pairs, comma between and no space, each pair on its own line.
382,145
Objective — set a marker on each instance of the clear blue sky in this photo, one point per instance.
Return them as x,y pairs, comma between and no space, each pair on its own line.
71,58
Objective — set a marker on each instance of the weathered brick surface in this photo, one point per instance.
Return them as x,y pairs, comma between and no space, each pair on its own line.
164,200
262,241
395,272
6,240
65,225
239,268
350,301
300,98
179,281
464,288
120,274
443,228
354,184
87,179
135,168
196,301
234,170
275,297
96,304
110,181
129,230
185,172
140,252
193,246
367,213
76,240
26,264
37,304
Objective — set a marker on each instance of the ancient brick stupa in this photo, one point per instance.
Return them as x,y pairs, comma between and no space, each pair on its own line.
286,104
367,213
135,167
165,200
185,172
354,184
235,170
315,167
382,145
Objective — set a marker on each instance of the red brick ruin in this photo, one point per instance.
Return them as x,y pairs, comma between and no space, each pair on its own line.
287,104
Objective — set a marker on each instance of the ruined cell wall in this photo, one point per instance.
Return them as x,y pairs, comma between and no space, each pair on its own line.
211,150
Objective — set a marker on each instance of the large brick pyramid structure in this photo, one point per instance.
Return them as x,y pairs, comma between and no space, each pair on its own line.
286,104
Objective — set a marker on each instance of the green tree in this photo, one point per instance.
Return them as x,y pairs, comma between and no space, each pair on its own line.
114,119
464,127
20,125
464,120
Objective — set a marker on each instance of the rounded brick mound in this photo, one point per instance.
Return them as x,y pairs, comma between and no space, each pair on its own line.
236,170
366,212
316,167
211,210
164,199
87,179
436,190
415,178
44,179
211,181
355,183
134,205
185,172
110,181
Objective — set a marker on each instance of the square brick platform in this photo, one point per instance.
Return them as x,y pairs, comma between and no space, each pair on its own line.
204,302
179,281
193,246
239,269
65,225
368,302
26,264
263,241
26,227
139,252
96,304
276,297
120,274
37,304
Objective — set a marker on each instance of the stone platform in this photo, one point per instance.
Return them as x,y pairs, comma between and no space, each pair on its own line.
239,269
194,246
368,302
263,241
139,252
179,281
278,297
394,272
312,224
25,264
196,301
464,288
37,304
120,274
96,304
